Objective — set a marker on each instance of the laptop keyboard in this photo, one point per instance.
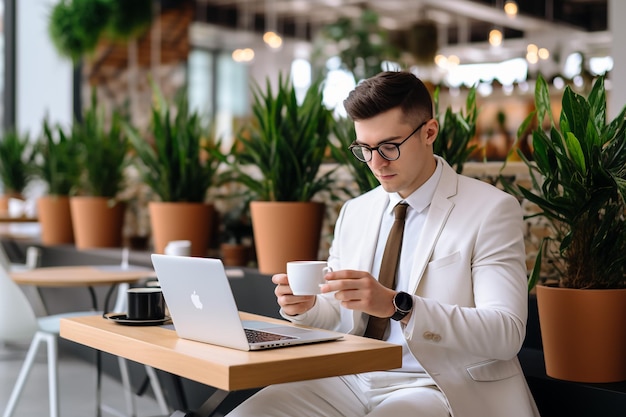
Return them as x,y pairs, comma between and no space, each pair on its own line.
256,336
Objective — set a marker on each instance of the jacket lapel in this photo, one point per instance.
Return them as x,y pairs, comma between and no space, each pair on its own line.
440,208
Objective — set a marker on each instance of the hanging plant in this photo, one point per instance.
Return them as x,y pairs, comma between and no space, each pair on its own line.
128,19
362,43
420,41
75,26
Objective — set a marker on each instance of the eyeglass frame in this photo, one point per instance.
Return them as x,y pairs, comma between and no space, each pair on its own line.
377,148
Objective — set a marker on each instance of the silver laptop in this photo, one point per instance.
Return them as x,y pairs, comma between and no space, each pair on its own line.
202,308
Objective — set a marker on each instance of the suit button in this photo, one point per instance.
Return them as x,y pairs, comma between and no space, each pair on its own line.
436,338
428,335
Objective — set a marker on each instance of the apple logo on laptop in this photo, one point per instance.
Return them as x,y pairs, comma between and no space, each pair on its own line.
195,299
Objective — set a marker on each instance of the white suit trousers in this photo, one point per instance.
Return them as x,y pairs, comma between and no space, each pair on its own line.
374,394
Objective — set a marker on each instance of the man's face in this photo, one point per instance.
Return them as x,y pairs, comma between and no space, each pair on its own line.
416,162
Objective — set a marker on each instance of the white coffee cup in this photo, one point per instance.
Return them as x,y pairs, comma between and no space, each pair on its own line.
178,248
305,277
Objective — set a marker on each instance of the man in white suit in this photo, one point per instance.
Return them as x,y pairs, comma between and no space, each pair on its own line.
459,303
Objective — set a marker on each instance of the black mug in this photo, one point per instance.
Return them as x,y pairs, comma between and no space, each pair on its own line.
145,304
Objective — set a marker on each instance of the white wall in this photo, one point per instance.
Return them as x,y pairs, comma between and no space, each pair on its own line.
44,79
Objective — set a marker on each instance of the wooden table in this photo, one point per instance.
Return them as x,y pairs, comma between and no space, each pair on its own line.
74,276
230,369
82,276
21,219
85,276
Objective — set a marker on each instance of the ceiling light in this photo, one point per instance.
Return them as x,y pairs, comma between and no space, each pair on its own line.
543,53
495,37
453,60
271,37
243,55
441,61
510,8
532,58
273,40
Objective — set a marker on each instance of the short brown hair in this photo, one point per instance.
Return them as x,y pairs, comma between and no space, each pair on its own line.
388,90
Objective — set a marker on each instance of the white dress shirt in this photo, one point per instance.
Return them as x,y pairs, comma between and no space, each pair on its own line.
418,202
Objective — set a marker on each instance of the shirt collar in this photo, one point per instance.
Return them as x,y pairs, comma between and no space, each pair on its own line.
421,198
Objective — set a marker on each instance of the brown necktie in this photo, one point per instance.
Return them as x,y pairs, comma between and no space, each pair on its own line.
376,326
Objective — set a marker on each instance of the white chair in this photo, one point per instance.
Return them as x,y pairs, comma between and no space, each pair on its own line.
33,257
19,323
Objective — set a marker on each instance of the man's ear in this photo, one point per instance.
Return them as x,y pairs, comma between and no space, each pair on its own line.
432,130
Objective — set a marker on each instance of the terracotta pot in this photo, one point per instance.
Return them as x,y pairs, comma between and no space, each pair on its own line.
97,223
285,231
4,205
583,333
55,219
181,221
234,254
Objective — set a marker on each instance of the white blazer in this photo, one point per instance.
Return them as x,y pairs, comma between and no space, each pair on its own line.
469,280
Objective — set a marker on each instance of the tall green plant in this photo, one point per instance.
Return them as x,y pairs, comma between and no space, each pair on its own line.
579,184
104,151
456,130
285,145
16,158
181,164
58,162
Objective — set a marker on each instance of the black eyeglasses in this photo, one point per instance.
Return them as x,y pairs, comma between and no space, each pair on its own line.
389,151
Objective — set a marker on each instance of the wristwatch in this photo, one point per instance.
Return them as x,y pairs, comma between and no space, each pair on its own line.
403,303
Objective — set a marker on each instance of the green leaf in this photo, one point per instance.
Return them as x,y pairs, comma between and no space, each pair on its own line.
16,159
283,148
578,177
182,163
575,151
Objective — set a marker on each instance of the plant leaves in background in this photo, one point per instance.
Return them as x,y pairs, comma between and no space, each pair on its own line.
128,18
16,157
58,161
180,158
286,142
456,130
75,26
104,151
345,135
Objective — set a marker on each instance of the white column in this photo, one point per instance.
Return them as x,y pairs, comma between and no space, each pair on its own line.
44,79
617,95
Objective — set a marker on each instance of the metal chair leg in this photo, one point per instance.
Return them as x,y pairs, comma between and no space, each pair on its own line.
51,341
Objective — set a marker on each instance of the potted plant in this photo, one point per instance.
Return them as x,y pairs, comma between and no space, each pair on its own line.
278,160
57,164
16,157
97,215
236,236
579,186
456,131
179,162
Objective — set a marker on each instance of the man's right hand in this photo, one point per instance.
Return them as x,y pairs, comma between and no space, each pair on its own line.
291,304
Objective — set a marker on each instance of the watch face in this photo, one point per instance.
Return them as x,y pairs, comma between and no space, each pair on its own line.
404,302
